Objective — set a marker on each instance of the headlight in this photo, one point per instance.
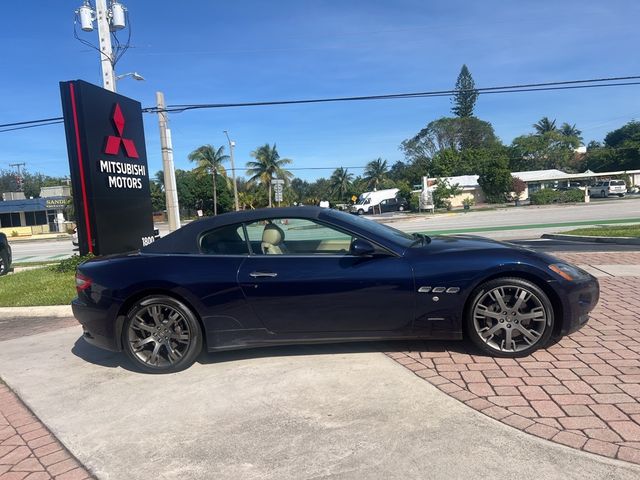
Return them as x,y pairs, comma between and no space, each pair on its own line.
569,272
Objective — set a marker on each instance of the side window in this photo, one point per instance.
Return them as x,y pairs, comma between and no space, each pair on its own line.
295,236
228,240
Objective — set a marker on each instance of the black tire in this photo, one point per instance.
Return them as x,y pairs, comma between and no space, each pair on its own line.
164,338
621,195
603,194
360,212
4,263
474,320
401,208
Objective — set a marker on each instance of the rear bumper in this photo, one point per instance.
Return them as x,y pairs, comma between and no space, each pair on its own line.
100,326
580,299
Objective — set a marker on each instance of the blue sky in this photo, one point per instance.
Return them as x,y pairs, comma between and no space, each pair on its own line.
206,51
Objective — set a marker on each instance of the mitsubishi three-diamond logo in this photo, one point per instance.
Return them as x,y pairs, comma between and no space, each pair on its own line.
114,142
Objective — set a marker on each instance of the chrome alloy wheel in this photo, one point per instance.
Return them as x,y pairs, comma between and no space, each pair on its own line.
159,335
510,318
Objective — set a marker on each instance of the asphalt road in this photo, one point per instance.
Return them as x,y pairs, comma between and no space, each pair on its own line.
501,224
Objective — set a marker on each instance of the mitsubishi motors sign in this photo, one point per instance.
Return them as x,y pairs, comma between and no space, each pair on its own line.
108,164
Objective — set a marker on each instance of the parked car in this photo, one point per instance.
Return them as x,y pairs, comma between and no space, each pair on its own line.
609,187
5,255
307,274
395,204
369,202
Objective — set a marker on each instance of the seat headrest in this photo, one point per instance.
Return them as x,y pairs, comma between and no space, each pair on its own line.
272,234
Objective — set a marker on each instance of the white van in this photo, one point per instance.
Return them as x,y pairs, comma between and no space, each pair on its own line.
369,202
609,187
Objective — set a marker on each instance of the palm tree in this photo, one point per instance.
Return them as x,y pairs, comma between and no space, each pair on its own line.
375,172
570,131
267,166
545,126
341,181
210,162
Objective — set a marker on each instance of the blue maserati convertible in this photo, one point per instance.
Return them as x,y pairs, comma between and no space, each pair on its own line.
306,274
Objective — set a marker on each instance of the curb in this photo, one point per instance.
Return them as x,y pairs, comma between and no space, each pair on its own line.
58,238
590,239
55,311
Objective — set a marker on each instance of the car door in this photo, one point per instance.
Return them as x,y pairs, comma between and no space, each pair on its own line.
316,285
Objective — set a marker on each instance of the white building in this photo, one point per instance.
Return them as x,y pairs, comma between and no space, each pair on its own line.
535,180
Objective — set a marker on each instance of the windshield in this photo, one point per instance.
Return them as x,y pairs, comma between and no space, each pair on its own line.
384,231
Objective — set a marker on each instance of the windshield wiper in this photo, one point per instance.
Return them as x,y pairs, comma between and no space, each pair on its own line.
421,238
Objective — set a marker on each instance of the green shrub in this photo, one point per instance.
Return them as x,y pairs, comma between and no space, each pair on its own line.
70,264
572,196
547,196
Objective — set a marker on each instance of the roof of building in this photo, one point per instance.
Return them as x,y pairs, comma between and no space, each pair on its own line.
469,182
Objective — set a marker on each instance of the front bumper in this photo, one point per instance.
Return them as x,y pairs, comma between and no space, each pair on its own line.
579,299
100,326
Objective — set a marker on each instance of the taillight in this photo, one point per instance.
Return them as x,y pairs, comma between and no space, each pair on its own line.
82,282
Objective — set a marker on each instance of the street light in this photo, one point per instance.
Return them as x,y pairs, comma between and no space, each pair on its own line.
134,75
233,171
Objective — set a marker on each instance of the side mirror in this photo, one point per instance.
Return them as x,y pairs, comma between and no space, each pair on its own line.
361,248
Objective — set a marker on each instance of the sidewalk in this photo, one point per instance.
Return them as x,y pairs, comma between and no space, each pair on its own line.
28,450
583,392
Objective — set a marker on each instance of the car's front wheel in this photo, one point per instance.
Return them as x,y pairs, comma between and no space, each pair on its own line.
509,317
161,335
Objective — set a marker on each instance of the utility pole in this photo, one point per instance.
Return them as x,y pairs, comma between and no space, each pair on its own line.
19,177
232,144
170,190
110,18
106,53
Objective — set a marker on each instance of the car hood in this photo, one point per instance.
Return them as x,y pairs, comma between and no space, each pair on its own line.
468,243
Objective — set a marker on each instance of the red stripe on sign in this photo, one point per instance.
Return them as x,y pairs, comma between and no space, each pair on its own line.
81,167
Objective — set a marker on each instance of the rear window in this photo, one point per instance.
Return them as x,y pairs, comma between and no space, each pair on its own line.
617,182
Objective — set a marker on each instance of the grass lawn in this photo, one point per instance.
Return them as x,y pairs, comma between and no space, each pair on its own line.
608,231
41,286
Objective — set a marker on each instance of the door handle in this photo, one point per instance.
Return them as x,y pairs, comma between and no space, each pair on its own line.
263,274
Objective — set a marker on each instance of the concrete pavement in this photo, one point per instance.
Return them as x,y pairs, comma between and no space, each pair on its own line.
300,412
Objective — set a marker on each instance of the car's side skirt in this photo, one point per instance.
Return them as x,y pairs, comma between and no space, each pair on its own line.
252,339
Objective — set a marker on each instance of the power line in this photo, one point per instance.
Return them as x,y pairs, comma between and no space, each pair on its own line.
31,126
519,88
562,85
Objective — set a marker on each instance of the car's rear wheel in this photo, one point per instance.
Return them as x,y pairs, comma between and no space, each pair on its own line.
509,317
603,194
360,211
4,263
401,208
161,335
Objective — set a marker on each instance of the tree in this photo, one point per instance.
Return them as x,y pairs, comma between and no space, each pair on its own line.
340,182
545,126
547,148
620,150
466,94
209,161
443,191
495,178
375,172
267,166
567,130
447,132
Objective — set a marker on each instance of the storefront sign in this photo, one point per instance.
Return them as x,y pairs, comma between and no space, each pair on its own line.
109,173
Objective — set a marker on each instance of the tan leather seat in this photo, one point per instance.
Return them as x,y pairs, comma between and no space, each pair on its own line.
273,240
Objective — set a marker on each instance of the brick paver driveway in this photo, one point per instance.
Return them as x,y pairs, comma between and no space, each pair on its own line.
583,391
